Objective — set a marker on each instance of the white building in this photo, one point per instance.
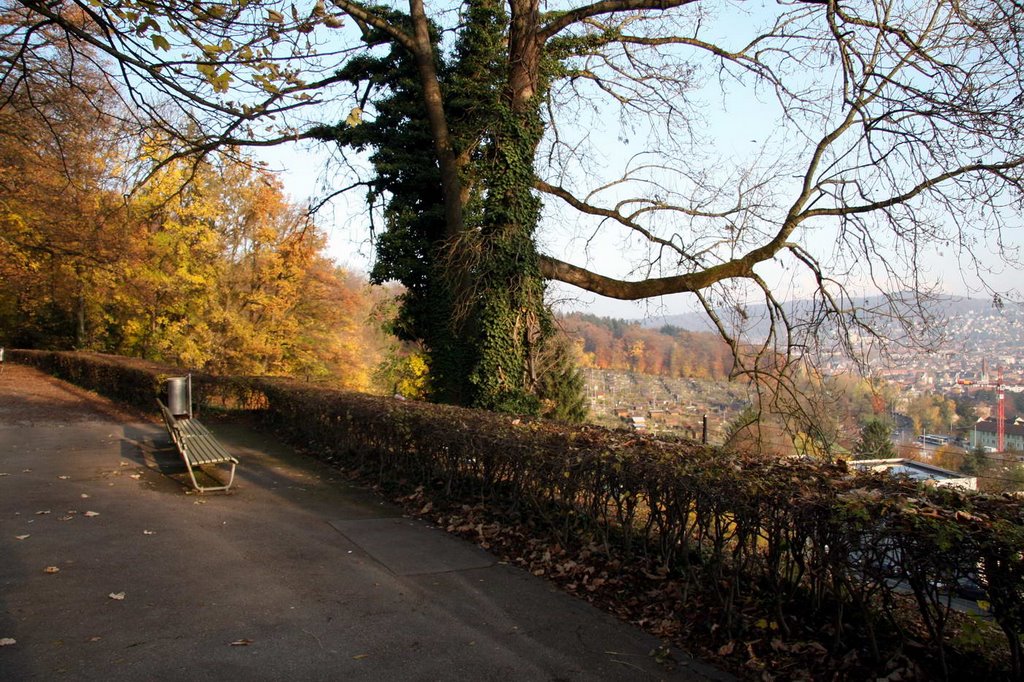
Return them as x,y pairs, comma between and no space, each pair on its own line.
919,471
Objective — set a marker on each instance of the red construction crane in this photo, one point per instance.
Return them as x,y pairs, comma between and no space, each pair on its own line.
1001,423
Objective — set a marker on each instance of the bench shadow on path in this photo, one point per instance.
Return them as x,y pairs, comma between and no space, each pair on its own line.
266,464
151,447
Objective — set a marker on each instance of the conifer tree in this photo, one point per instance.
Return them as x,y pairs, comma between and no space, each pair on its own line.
875,441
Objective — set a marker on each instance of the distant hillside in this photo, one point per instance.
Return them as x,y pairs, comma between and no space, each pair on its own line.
608,343
971,319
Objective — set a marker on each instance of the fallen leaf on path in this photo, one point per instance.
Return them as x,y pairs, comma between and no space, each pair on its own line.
117,596
241,642
2,474
40,513
94,638
359,657
64,478
136,476
84,496
726,649
22,537
7,641
51,569
26,471
149,532
65,518
90,514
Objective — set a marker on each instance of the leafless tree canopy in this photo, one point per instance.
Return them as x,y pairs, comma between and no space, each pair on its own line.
888,129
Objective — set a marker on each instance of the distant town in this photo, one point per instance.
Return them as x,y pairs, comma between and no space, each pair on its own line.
985,345
981,354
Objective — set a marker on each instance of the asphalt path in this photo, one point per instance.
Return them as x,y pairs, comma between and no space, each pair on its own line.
110,569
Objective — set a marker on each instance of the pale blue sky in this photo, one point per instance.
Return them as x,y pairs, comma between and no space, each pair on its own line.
737,123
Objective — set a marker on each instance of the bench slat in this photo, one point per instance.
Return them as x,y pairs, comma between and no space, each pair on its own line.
205,450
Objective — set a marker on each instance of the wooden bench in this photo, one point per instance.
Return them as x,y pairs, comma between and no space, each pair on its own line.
197,447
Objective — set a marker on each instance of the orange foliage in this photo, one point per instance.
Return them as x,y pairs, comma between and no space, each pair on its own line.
620,345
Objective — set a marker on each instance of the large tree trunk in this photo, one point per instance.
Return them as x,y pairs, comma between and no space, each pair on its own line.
514,324
434,106
524,44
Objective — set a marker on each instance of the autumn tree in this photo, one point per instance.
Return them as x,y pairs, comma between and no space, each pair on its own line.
759,433
62,212
207,266
948,457
607,343
931,412
889,127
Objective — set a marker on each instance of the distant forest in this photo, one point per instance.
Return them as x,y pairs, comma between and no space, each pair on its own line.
670,351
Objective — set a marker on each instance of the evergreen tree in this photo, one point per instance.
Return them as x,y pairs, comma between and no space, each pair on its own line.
975,462
474,301
561,385
875,441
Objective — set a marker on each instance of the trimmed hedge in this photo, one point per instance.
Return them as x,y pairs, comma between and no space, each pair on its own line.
128,380
826,544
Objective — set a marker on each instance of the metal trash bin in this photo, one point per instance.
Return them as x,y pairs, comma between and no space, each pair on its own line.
179,396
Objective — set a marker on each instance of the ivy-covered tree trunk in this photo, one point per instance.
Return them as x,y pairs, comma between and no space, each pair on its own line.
511,321
501,287
454,172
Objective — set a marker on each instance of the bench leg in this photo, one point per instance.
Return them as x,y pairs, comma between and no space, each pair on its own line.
201,489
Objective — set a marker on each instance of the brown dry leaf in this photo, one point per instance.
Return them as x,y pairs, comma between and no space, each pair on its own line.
149,532
85,496
94,638
426,508
241,642
359,657
64,478
65,518
22,537
51,569
136,476
726,649
117,596
40,513
91,514
7,641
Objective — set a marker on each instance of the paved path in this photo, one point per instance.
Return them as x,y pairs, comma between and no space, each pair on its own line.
294,575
